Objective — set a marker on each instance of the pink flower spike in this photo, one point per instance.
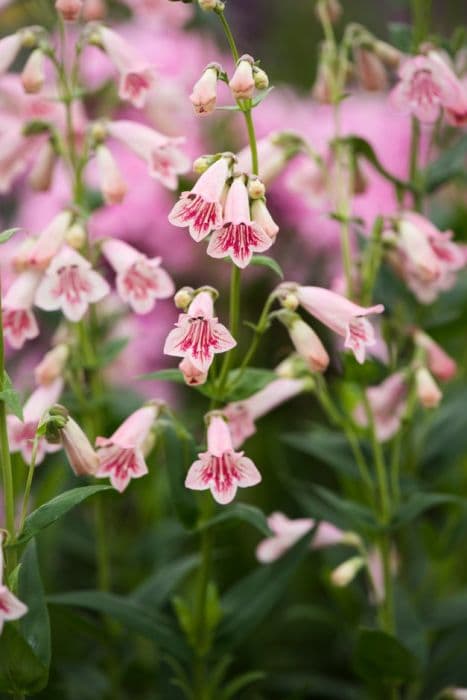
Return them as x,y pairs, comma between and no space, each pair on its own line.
21,433
204,95
220,469
162,153
70,284
191,374
201,209
198,335
137,76
112,184
19,322
79,451
140,280
40,252
439,362
388,402
239,237
9,49
342,316
242,82
69,9
121,457
33,75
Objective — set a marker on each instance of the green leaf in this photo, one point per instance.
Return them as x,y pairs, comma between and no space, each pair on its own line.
235,686
248,602
361,147
179,452
323,504
168,375
329,446
156,589
11,397
266,261
261,95
6,235
448,166
420,502
135,617
35,626
449,612
240,511
242,384
21,671
111,350
51,511
381,658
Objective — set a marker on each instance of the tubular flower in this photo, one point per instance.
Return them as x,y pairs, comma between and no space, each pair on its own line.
137,76
82,457
342,316
140,280
308,345
201,208
113,186
198,335
242,415
239,236
70,284
39,252
69,9
121,457
261,216
204,95
11,608
21,433
162,154
220,469
19,322
388,403
438,361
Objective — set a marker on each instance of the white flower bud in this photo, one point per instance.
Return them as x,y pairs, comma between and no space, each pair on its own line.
256,188
76,236
261,78
184,297
346,572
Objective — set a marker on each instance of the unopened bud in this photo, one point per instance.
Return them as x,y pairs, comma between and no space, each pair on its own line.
346,572
308,345
428,392
41,174
204,95
208,5
201,164
261,216
94,10
52,365
290,302
256,188
76,236
329,9
33,75
81,455
261,78
98,132
184,297
192,375
69,9
242,82
370,70
28,39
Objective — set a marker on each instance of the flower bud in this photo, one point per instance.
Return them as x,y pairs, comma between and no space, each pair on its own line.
76,236
184,297
69,9
256,188
42,171
191,374
81,455
261,78
201,164
113,186
33,75
52,365
98,132
209,5
94,10
204,95
346,572
308,345
440,364
242,82
428,392
261,216
370,70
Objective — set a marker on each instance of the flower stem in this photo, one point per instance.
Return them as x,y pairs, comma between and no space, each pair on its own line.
27,488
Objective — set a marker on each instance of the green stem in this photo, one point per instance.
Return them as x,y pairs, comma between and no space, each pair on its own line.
414,174
380,465
252,140
229,36
27,488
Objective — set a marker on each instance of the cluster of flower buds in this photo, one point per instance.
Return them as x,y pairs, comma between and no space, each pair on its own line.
219,204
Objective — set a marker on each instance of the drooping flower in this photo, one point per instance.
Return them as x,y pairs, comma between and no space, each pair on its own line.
70,284
192,375
162,154
308,345
204,95
239,236
39,252
242,82
112,183
198,335
137,76
438,361
11,608
82,457
201,208
242,415
220,469
52,365
19,322
21,433
122,456
370,69
140,280
428,392
342,316
388,403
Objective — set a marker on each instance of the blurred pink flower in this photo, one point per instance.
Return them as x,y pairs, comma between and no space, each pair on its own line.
19,322
438,361
388,402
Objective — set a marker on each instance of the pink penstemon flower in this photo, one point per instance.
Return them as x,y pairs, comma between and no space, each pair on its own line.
162,154
137,76
201,208
242,82
220,469
239,236
70,284
112,183
388,402
82,457
9,48
204,95
342,316
308,345
38,252
242,415
122,456
140,280
69,9
19,322
11,608
21,433
192,375
198,335
440,364
42,172
262,217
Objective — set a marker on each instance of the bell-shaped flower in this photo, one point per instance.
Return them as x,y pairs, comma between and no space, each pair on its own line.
39,252
204,95
11,608
198,335
21,434
162,154
242,415
242,82
81,455
140,280
342,316
122,456
112,183
70,284
388,402
220,469
137,76
239,236
19,322
201,208
440,364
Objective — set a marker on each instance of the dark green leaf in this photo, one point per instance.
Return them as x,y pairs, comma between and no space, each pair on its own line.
420,502
21,671
168,375
329,446
6,235
179,451
241,385
449,612
11,397
381,658
111,350
234,687
449,165
266,261
35,626
240,511
156,589
323,504
51,511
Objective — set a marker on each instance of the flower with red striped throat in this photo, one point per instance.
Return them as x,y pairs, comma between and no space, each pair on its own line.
140,280
19,322
198,335
70,284
201,208
220,469
239,236
122,456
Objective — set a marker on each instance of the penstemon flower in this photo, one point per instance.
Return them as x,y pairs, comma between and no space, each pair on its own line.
9,48
33,75
440,364
70,284
192,375
220,469
122,456
69,9
204,95
242,82
239,236
198,335
307,344
140,280
38,253
19,322
388,402
112,183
